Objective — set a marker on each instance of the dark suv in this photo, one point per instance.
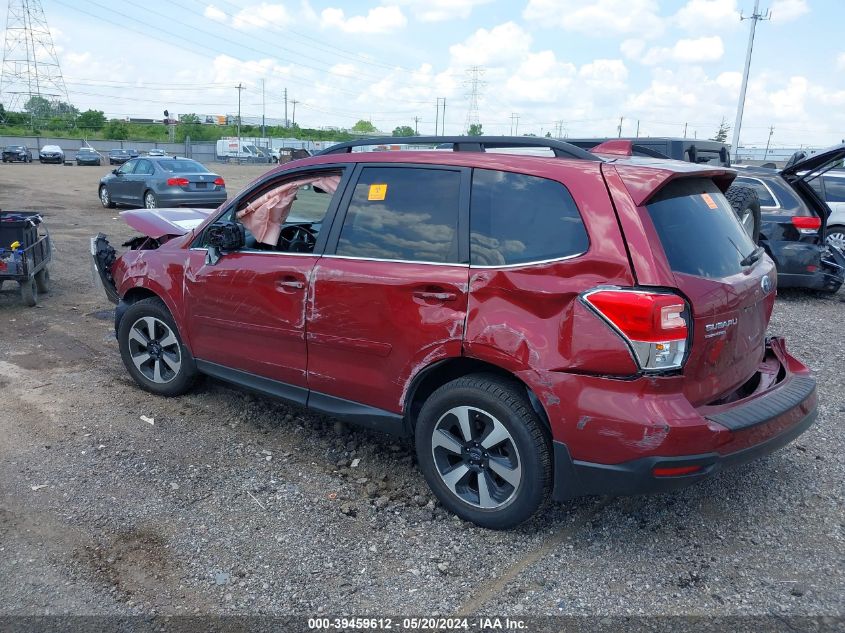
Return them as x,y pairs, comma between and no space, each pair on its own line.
542,326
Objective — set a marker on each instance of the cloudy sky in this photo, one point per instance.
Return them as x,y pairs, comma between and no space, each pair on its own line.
573,65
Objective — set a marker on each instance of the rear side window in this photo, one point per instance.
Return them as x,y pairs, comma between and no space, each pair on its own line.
403,213
763,194
834,189
517,219
698,229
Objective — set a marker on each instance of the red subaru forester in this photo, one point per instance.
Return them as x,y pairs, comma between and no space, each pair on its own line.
571,324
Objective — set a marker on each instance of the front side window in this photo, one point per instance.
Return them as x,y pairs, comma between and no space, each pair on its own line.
128,167
517,219
287,215
403,213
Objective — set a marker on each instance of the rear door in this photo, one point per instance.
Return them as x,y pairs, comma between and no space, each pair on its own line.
730,296
391,297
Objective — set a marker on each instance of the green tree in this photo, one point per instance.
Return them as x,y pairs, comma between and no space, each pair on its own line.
403,130
116,130
189,118
91,120
364,127
38,108
722,134
475,130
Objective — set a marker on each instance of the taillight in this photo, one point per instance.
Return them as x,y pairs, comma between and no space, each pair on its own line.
220,182
177,182
806,223
652,323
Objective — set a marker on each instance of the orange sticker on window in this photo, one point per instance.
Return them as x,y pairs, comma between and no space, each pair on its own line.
709,201
377,192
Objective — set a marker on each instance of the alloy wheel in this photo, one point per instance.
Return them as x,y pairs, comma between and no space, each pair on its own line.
149,200
836,239
476,457
104,196
154,350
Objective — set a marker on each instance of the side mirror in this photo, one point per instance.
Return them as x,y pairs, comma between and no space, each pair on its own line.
226,236
116,172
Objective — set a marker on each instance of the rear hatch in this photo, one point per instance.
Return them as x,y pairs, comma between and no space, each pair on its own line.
728,282
803,172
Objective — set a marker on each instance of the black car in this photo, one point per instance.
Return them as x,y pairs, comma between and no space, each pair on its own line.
162,181
134,153
697,151
794,221
51,154
88,156
17,153
119,156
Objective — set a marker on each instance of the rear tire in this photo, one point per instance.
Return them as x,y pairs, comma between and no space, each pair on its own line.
29,292
836,237
152,349
150,200
42,280
483,451
746,205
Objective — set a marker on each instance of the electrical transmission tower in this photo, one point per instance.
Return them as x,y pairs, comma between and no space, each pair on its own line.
30,65
474,85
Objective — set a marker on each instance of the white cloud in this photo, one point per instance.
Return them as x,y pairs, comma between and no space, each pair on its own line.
599,17
213,13
440,10
632,48
502,43
605,74
788,10
540,78
377,20
685,51
698,15
261,16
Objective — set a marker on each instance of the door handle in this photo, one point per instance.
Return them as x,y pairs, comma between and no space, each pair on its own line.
435,296
283,284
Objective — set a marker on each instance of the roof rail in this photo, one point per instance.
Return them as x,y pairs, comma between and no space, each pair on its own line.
469,144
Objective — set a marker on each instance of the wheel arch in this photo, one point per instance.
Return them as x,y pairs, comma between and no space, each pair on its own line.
433,376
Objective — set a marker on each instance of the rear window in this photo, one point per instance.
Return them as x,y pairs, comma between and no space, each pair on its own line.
698,229
763,194
182,166
519,219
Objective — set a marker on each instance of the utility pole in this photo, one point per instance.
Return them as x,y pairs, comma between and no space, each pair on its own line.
768,141
755,17
416,125
443,119
619,129
638,129
685,130
514,124
294,102
240,87
287,123
263,112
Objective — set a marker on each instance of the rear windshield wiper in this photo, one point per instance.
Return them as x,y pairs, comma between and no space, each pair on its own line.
752,257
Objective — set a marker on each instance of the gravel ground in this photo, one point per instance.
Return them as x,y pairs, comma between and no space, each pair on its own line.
232,503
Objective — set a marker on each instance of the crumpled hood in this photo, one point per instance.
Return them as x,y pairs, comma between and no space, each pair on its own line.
157,223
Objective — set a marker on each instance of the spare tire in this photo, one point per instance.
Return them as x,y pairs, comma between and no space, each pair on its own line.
746,205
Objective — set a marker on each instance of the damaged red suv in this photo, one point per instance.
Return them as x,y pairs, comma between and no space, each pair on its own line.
582,323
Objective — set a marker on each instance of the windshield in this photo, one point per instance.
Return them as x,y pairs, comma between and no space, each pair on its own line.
14,147
183,166
698,228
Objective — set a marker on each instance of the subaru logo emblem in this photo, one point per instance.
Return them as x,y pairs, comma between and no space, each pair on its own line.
766,285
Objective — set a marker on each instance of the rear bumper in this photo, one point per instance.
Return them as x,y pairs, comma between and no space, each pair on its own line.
687,444
205,199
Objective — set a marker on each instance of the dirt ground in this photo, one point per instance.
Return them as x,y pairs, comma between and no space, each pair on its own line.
232,503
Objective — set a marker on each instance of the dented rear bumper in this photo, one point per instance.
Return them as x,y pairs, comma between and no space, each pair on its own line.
676,446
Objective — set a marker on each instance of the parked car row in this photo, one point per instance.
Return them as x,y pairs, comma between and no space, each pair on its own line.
591,323
84,155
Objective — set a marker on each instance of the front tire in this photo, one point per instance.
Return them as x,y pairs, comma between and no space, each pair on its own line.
150,200
105,198
29,292
482,450
152,349
746,205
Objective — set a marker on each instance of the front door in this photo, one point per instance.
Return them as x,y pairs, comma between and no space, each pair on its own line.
247,310
391,297
119,185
